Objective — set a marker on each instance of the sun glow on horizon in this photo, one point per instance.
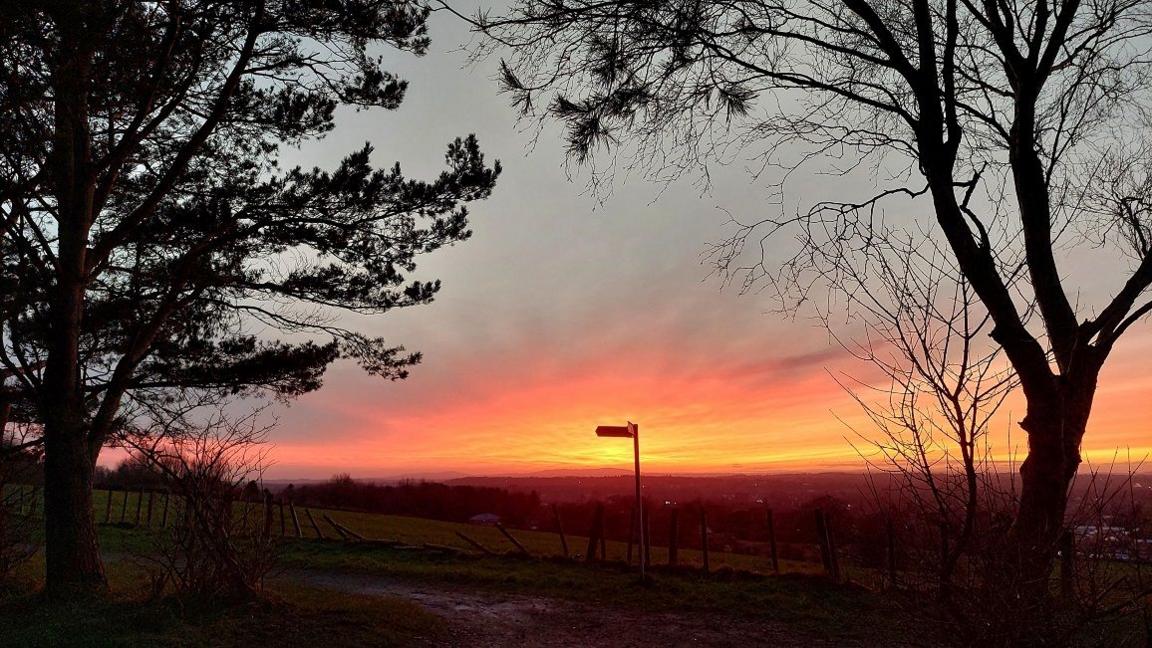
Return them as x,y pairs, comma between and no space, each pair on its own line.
730,420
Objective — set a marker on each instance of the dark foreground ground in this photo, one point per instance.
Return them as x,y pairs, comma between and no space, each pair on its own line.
315,608
478,617
336,594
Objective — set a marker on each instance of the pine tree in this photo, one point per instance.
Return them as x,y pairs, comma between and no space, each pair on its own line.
151,244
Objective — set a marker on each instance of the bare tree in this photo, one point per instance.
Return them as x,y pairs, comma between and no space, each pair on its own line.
986,111
206,462
938,388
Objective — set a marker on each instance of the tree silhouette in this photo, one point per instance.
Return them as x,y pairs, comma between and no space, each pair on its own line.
1020,126
152,247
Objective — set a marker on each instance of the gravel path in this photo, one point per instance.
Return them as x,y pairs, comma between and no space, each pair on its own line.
489,619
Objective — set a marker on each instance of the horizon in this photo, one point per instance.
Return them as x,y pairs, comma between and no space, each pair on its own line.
560,473
1132,471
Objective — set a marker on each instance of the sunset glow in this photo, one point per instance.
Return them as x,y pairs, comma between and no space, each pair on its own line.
784,416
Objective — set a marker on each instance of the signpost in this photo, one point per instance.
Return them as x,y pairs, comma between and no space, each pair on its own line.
632,431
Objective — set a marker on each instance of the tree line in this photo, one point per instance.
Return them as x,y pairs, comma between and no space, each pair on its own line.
417,499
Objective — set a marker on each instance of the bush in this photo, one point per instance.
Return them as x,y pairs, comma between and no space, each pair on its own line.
222,545
19,466
16,538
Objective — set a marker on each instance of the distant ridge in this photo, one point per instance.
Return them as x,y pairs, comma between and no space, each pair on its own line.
566,473
575,472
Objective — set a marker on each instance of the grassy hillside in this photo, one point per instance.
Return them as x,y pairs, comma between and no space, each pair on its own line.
129,509
420,531
364,591
131,618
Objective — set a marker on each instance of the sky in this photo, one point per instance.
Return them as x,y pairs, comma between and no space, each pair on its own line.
569,308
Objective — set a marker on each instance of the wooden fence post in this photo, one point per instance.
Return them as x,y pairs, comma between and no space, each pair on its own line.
139,505
151,495
704,536
560,530
484,550
673,537
631,532
108,508
344,535
124,507
345,530
891,533
512,539
827,548
267,513
283,524
295,519
164,515
595,532
832,552
772,540
315,527
822,542
647,515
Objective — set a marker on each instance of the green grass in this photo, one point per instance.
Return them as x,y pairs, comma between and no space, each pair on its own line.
289,615
737,586
797,598
113,508
419,531
793,597
294,613
129,619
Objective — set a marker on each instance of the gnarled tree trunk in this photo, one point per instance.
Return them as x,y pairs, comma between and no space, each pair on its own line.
1055,425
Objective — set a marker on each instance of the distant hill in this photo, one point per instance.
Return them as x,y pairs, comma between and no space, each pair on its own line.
429,476
576,472
781,490
774,490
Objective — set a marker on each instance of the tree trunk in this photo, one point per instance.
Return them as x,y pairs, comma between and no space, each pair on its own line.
72,555
1055,429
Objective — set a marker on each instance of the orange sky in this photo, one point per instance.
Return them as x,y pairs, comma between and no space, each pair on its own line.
740,417
730,420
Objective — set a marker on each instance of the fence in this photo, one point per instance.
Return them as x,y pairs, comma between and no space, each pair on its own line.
153,508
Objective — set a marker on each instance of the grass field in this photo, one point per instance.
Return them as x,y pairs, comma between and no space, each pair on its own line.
297,611
131,618
289,615
130,509
113,507
809,604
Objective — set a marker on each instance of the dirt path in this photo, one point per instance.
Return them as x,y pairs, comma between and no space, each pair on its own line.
488,619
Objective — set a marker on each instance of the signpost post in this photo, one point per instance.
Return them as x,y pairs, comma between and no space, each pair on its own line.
632,431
